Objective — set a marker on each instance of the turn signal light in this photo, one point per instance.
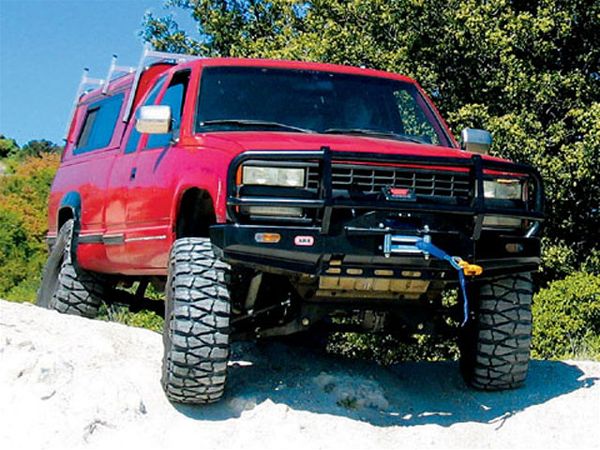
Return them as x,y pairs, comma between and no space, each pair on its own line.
514,248
267,238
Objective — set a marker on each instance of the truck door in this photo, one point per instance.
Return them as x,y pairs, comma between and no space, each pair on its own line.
122,175
152,184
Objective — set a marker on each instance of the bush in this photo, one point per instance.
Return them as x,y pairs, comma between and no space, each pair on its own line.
23,224
566,318
386,349
141,319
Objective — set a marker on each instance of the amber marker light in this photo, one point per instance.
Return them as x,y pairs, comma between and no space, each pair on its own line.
267,238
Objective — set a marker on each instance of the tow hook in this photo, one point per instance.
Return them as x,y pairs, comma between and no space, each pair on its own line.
415,244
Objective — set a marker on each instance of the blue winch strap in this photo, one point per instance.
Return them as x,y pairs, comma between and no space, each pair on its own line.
428,247
463,288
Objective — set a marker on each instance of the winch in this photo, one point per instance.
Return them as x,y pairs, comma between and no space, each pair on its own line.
411,245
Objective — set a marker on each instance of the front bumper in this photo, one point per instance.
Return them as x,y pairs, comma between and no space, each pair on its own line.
356,243
351,251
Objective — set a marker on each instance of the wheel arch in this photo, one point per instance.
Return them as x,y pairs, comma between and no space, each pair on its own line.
194,213
70,208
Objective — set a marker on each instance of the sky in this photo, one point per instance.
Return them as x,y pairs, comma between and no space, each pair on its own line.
44,46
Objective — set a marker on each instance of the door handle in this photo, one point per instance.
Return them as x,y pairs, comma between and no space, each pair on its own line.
132,174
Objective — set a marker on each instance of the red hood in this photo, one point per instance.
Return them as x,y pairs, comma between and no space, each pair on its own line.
238,142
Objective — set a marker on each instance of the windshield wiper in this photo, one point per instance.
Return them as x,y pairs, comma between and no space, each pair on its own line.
255,123
367,132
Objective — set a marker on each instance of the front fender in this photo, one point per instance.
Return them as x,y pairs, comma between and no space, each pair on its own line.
209,173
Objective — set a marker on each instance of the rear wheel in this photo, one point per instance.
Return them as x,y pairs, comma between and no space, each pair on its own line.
196,333
65,286
495,343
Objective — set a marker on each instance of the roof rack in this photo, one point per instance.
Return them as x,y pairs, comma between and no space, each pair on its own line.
157,56
113,69
86,82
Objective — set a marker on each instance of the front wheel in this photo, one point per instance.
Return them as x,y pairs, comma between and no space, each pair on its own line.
65,286
495,344
196,332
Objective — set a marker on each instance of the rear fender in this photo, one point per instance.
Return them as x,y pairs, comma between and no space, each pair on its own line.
70,202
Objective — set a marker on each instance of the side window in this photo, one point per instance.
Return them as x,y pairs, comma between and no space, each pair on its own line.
99,124
174,97
134,136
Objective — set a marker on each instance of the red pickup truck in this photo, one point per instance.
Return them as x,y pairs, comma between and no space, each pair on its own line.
274,197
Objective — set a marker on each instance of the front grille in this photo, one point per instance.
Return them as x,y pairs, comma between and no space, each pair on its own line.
372,179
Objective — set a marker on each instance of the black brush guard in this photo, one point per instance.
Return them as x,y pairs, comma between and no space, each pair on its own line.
359,241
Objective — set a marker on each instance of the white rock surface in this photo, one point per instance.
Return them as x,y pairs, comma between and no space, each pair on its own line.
67,382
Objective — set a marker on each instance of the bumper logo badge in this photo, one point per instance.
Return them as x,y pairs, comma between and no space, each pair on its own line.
304,241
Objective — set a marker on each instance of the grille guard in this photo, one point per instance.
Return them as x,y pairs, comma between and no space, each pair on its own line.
326,201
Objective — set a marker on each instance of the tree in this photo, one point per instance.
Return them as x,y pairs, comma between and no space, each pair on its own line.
24,222
7,146
528,71
38,148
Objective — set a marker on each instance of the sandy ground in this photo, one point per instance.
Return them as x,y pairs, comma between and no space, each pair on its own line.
67,382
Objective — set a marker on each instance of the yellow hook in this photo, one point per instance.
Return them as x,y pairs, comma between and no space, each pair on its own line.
470,270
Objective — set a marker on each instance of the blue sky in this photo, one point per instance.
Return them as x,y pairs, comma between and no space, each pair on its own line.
44,46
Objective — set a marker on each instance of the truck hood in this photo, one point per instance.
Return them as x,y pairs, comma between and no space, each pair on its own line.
238,142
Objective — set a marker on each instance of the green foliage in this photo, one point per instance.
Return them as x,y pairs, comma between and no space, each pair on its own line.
26,289
386,349
10,149
7,146
141,319
567,318
348,403
23,224
38,148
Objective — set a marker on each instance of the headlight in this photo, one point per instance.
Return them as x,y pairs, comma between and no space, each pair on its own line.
502,221
273,176
289,211
503,188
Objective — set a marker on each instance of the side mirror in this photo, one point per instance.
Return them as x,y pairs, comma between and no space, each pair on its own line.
154,119
477,141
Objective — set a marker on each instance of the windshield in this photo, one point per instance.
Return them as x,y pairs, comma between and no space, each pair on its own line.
257,98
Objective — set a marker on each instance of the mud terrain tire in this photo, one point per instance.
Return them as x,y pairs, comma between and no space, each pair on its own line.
65,286
196,332
495,345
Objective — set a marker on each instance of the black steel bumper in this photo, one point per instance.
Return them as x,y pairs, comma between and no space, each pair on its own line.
358,241
237,243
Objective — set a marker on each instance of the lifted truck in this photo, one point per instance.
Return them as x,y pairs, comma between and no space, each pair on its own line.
274,197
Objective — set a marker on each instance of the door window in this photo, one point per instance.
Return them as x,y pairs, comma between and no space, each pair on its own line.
134,136
174,97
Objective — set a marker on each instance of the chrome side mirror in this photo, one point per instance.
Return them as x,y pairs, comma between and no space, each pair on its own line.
477,141
154,119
